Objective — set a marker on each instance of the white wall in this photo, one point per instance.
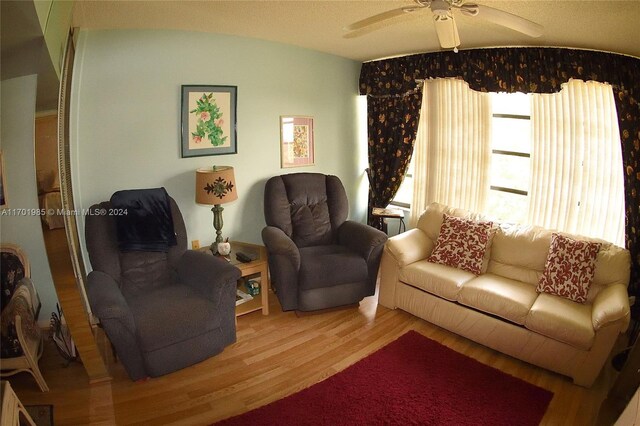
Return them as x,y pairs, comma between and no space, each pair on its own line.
18,147
125,119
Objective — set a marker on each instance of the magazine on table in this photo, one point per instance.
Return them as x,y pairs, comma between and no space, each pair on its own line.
242,297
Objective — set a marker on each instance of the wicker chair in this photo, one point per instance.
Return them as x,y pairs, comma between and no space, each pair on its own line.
22,340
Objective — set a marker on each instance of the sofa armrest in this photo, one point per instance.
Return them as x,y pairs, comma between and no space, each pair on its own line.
105,296
107,301
206,274
611,305
284,265
110,306
360,238
279,244
410,247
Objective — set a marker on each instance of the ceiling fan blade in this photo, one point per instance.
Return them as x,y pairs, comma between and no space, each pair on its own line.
469,9
381,17
510,20
447,31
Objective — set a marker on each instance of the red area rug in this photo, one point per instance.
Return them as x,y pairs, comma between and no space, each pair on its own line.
411,381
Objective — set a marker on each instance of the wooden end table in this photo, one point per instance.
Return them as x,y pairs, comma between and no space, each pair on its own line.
253,269
390,214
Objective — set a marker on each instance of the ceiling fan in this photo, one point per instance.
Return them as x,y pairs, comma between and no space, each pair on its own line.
445,24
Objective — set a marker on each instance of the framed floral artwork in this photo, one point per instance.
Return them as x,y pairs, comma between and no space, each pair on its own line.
208,118
296,141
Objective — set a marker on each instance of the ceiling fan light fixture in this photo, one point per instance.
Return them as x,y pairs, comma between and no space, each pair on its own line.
440,7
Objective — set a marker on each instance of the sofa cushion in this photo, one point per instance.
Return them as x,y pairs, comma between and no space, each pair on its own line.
506,298
562,320
570,268
311,223
143,271
308,207
330,265
185,314
441,280
519,252
462,243
431,219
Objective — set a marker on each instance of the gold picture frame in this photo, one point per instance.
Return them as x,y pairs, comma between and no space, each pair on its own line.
297,145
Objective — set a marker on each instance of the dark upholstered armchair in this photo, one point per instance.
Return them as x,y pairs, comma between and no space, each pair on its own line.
162,311
318,259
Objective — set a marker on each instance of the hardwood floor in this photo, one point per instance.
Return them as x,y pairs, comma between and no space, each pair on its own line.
274,356
71,302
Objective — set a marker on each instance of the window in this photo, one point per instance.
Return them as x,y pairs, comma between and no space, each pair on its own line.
507,198
577,176
555,160
405,192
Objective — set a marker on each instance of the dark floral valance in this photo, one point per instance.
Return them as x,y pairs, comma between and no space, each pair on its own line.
532,70
535,70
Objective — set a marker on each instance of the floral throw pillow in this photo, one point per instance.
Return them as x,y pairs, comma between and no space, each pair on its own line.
569,269
462,243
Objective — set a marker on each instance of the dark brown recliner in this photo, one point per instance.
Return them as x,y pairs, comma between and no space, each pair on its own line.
162,311
318,258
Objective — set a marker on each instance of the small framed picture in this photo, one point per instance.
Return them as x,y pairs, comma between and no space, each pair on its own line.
296,141
3,185
208,117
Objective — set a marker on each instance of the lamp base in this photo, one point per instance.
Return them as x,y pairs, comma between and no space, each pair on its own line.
217,224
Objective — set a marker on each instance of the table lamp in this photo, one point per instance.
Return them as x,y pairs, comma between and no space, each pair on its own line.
215,186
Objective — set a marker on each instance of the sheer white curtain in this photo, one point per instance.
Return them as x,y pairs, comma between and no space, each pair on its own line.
452,150
576,162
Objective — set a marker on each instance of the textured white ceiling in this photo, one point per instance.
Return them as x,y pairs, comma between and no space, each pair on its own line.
601,25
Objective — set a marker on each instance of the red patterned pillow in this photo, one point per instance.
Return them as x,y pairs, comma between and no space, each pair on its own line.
462,243
570,268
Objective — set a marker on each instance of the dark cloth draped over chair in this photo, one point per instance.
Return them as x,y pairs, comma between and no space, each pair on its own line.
528,70
143,220
162,310
318,259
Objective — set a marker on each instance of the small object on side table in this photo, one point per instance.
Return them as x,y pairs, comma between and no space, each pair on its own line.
253,286
224,248
242,297
244,257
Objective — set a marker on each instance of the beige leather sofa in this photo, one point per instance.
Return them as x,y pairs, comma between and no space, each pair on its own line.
501,308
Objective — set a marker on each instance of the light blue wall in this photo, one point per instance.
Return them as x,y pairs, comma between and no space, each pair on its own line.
17,116
125,119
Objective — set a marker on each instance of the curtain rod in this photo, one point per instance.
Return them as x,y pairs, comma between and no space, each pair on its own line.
502,47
